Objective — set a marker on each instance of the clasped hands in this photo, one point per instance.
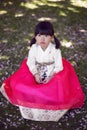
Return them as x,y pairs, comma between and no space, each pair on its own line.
46,80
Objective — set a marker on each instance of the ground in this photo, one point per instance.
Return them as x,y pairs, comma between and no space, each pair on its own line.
17,21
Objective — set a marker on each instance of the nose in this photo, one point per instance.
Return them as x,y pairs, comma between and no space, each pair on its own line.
42,38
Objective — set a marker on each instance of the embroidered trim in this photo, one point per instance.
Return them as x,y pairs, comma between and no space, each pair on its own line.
44,63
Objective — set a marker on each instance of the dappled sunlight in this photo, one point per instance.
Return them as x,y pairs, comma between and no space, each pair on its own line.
73,9
28,5
10,3
17,23
47,18
4,57
80,3
4,41
40,2
3,12
73,62
7,3
54,0
67,44
55,5
62,13
9,29
36,3
83,30
19,14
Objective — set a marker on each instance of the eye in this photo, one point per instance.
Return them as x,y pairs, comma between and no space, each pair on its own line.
39,35
46,35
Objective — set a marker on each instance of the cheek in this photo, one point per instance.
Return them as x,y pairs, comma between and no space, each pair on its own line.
37,39
49,40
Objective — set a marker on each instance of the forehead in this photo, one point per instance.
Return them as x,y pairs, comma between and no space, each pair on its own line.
43,35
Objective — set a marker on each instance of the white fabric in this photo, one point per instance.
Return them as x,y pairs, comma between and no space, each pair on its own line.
51,54
41,114
37,114
2,90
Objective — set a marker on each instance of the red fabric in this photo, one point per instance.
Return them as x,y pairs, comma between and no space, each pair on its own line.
62,92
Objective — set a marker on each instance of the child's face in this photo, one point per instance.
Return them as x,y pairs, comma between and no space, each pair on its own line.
43,40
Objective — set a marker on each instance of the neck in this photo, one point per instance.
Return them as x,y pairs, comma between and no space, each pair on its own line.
44,47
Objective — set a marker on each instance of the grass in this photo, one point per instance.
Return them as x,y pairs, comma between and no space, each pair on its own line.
17,21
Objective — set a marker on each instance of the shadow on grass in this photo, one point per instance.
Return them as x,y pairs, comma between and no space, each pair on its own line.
17,21
19,17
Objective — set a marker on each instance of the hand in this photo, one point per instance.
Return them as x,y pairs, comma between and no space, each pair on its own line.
47,80
37,78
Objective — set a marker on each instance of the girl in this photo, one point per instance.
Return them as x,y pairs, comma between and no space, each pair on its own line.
46,85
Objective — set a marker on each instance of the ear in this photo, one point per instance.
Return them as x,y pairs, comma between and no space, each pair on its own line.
52,39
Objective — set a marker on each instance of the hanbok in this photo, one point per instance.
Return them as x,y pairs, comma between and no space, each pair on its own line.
44,102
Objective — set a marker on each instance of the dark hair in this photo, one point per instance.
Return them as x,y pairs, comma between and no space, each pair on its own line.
45,28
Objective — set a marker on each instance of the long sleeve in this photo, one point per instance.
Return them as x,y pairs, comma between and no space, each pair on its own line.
58,61
31,61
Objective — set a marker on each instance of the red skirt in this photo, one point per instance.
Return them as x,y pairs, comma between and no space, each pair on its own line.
63,91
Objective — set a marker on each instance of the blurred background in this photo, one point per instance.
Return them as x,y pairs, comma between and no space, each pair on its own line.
17,21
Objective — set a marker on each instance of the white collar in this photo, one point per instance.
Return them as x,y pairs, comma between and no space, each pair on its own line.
48,47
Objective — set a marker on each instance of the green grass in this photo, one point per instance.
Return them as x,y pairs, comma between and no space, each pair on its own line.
17,21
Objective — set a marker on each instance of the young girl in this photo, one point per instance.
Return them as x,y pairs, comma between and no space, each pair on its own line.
45,86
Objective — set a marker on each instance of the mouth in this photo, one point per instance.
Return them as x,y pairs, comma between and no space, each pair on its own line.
42,42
